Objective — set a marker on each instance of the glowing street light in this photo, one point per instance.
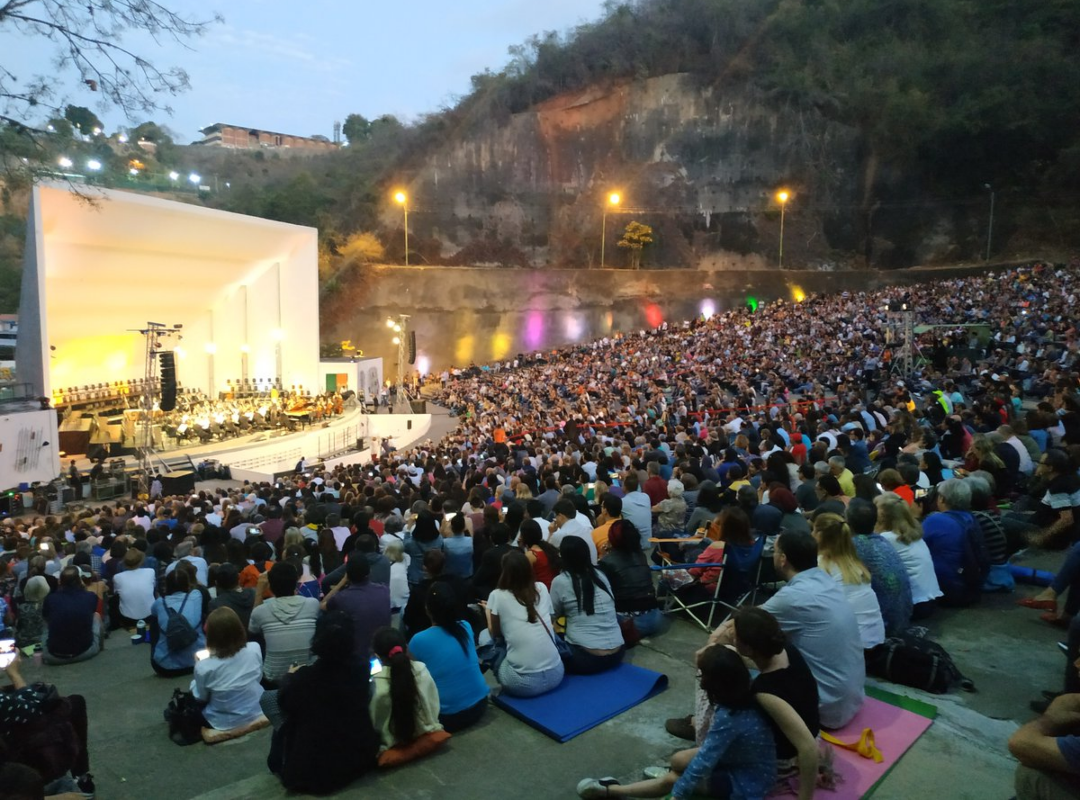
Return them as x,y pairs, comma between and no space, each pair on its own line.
390,322
65,162
403,200
613,200
783,195
397,328
174,176
194,177
93,164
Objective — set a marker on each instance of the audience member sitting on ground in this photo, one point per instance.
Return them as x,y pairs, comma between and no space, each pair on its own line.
366,603
29,621
898,526
583,595
1048,750
953,537
448,651
227,679
737,759
888,577
135,587
230,595
323,737
627,569
405,700
174,658
786,691
837,556
519,611
544,557
74,629
285,623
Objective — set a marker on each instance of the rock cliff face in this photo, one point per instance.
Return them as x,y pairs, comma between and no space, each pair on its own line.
699,164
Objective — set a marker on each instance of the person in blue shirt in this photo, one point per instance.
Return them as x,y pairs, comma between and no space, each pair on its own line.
459,548
737,759
448,651
182,598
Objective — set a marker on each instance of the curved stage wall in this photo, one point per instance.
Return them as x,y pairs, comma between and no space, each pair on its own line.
463,315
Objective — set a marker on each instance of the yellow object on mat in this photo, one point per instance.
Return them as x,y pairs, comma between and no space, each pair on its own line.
865,747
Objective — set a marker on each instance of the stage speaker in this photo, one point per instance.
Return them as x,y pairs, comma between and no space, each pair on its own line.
167,363
412,347
178,482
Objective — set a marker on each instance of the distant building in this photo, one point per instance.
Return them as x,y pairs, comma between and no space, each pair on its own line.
241,138
9,331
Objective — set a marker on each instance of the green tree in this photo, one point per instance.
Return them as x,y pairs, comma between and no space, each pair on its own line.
83,119
635,238
89,38
357,129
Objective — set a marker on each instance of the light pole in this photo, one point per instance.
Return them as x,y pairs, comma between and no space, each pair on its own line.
782,196
403,200
612,200
990,227
399,327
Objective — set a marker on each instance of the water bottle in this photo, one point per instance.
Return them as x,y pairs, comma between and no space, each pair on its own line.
140,628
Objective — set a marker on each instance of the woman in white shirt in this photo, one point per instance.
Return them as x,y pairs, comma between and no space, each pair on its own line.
405,700
519,610
399,572
838,557
227,680
898,526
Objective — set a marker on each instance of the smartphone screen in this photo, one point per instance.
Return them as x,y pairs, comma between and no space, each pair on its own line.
376,665
7,652
201,654
451,515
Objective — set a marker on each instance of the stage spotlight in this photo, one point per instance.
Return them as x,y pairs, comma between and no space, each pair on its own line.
396,340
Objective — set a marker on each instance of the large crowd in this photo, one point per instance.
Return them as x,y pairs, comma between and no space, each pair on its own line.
776,447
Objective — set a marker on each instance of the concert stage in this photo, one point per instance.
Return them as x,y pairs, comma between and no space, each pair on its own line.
260,456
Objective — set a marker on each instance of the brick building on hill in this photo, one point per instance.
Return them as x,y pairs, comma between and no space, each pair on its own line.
221,134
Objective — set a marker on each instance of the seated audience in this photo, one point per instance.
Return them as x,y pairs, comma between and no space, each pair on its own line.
888,576
953,537
837,556
285,623
74,630
519,611
582,594
448,651
227,679
898,526
1048,750
366,603
543,556
737,758
627,569
135,587
184,601
405,701
323,737
231,595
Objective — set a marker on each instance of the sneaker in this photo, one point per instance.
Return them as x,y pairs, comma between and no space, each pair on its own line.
681,727
595,787
86,785
655,772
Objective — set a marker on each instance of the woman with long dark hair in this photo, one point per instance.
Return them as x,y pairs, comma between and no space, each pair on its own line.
737,757
542,555
583,595
519,611
447,649
425,536
405,702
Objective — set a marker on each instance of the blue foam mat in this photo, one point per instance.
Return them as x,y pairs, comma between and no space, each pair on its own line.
582,702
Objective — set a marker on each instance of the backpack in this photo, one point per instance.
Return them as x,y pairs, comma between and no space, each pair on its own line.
976,564
179,634
912,661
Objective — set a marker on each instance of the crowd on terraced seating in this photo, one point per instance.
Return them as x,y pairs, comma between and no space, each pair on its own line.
778,448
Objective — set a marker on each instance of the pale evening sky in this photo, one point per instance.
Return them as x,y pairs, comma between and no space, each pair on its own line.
295,67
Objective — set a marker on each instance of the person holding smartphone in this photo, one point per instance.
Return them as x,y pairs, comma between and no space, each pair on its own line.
228,673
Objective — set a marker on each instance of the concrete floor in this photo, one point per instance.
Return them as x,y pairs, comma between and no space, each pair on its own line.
1005,649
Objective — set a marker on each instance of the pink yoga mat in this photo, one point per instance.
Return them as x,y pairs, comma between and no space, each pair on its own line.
895,730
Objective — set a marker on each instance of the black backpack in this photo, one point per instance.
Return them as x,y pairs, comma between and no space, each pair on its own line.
179,635
920,663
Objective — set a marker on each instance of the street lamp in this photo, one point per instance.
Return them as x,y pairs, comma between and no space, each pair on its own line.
174,176
990,227
65,162
93,164
613,200
783,197
403,201
194,177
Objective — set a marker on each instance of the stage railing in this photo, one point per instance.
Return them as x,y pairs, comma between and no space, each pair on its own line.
329,443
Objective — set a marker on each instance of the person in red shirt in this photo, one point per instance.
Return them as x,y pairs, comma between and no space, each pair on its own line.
891,481
655,487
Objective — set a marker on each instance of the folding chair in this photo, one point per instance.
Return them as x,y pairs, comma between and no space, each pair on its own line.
673,602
